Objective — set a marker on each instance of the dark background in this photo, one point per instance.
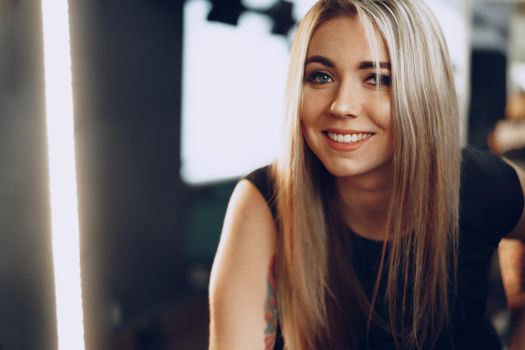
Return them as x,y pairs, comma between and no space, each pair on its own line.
147,240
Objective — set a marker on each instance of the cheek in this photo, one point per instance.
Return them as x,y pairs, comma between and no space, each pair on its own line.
305,110
387,121
383,113
313,106
309,117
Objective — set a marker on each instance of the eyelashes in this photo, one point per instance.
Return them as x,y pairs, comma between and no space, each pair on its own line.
319,78
379,80
376,80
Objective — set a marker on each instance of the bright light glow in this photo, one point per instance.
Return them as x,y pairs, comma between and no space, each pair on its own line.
62,178
301,7
233,89
258,4
517,75
455,23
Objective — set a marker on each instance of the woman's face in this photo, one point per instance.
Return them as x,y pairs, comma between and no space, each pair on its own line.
346,110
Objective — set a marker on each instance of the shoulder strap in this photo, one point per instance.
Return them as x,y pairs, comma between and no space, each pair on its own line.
263,180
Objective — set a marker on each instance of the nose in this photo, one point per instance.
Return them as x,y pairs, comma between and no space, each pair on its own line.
347,101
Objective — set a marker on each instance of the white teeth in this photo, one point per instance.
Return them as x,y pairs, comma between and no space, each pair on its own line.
347,138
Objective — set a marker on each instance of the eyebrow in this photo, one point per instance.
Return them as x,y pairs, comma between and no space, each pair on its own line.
320,59
369,64
327,62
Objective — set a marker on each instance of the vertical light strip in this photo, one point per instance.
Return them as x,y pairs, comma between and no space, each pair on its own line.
62,178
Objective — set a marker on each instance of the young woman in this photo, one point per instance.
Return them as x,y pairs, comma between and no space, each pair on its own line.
374,230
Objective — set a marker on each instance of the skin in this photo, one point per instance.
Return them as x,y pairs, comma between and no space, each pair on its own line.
241,309
344,93
342,96
511,254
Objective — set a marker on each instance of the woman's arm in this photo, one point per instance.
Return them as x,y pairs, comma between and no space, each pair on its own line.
240,294
511,253
519,230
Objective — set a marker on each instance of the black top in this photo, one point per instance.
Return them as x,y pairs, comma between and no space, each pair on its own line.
491,203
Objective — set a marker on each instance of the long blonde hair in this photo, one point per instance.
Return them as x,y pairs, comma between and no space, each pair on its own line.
422,225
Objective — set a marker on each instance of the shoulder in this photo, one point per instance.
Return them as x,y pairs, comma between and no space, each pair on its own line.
248,209
483,166
491,192
262,179
519,229
238,282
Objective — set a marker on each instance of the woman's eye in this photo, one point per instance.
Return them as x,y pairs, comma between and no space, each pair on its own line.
379,80
319,78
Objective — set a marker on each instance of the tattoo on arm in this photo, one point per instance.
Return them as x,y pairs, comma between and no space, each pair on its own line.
270,309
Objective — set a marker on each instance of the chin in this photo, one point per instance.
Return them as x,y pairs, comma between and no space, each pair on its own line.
349,168
340,169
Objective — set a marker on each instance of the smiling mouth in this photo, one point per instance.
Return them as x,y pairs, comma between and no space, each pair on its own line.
347,138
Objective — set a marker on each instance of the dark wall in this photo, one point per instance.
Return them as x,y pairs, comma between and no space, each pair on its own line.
488,94
126,58
148,239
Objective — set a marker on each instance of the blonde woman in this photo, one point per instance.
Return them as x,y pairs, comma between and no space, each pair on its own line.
374,230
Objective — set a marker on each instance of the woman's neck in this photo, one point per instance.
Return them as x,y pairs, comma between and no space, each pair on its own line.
365,203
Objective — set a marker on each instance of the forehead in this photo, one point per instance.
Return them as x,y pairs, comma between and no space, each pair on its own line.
345,36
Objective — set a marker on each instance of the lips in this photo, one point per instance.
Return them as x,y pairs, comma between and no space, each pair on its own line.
346,140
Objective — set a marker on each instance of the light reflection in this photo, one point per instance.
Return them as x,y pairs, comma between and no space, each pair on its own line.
62,178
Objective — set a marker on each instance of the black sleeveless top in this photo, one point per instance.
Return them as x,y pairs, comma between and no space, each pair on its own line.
491,203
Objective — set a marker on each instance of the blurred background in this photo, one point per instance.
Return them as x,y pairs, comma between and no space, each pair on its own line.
174,101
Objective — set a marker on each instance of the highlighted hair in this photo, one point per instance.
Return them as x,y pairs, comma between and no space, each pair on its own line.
422,226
